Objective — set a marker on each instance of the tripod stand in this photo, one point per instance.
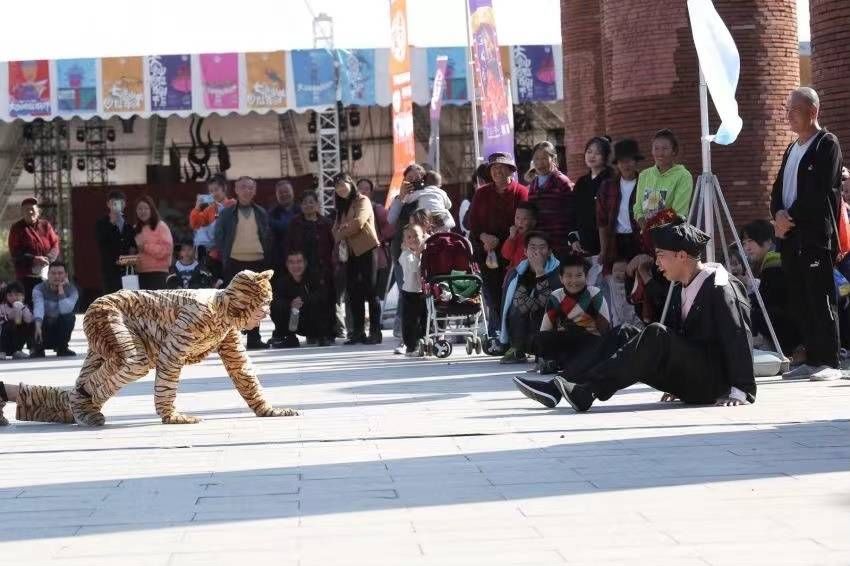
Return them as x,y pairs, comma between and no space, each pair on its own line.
707,204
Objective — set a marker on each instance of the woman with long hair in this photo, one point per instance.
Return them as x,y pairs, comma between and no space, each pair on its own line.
155,245
356,237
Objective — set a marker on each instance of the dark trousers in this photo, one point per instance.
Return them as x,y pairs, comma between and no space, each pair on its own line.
29,284
13,337
56,332
153,280
492,288
361,274
523,328
231,268
628,246
214,266
658,357
111,275
315,319
413,319
566,346
812,297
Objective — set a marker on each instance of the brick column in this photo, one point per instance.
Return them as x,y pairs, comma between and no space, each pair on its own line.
831,64
584,91
652,81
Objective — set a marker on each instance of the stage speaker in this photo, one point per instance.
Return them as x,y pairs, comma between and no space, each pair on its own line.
162,175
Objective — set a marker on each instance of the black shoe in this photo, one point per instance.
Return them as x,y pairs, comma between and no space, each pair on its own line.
36,354
324,342
312,341
287,341
256,345
66,353
580,397
354,340
340,334
548,367
544,392
374,339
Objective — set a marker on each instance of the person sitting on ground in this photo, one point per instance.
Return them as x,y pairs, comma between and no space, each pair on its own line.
525,220
576,317
187,273
294,291
413,312
17,321
527,291
54,303
757,238
614,287
703,356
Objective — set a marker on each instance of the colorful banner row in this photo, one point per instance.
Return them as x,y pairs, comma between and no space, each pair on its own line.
244,82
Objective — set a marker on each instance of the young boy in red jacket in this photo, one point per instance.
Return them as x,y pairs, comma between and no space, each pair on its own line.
525,219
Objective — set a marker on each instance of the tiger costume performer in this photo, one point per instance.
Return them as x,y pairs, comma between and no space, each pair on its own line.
132,332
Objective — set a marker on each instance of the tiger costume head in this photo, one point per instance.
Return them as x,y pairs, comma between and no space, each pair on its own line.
247,292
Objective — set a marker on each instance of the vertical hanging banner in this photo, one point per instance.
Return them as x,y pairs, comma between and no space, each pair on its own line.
76,85
454,73
315,77
170,79
266,74
534,73
404,147
357,76
436,108
220,80
29,88
123,84
492,92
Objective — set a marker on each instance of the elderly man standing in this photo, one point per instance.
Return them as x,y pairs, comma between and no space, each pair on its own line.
280,215
33,245
804,205
242,235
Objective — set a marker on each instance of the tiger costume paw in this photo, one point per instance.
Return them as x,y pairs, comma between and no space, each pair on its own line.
180,418
269,411
84,410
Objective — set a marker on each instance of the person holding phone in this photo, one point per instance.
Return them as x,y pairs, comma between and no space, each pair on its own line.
115,237
203,219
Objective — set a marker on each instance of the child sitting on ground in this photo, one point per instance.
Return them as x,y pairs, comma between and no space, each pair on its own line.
187,273
576,318
525,219
412,297
17,322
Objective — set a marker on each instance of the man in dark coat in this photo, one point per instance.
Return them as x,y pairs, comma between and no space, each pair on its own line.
311,296
702,356
804,206
115,237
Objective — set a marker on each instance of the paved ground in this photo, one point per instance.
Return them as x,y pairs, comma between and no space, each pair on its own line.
407,462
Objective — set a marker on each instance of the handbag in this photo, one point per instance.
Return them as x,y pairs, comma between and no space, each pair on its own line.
130,280
342,251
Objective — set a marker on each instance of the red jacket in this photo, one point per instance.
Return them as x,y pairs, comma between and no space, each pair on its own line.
28,241
493,213
513,250
556,209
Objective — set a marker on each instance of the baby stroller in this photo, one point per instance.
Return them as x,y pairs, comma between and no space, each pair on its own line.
453,300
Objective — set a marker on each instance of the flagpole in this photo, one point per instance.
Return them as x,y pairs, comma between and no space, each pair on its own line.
473,99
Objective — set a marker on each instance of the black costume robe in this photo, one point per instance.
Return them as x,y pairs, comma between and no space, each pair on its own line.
698,359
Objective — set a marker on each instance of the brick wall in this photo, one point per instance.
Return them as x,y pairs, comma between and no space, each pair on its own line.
831,64
651,79
585,113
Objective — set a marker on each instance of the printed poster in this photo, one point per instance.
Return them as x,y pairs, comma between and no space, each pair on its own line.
220,80
170,80
404,148
123,84
29,88
497,134
315,77
357,76
534,72
435,111
76,85
454,89
266,86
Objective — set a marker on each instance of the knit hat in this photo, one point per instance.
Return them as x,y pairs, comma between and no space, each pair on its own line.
679,236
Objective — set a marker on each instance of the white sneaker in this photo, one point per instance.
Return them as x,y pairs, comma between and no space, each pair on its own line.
400,350
825,373
802,371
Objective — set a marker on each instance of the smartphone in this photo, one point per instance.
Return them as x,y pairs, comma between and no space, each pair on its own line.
207,199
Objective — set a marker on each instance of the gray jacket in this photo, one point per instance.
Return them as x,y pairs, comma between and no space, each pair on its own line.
225,230
47,304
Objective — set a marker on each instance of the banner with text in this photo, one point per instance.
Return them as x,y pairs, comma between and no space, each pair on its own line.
170,80
404,145
76,85
497,134
436,109
220,80
29,88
